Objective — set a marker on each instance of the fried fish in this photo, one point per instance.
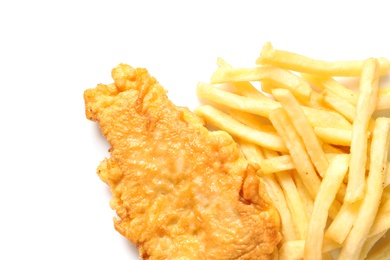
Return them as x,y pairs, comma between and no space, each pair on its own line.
179,190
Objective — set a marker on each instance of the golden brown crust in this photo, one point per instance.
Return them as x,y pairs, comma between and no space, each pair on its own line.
179,190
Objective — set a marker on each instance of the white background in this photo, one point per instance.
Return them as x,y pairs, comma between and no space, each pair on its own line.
53,205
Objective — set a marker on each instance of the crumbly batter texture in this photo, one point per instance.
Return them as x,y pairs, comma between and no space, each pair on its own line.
179,190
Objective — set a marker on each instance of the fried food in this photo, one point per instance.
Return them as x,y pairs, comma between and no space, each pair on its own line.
332,185
179,190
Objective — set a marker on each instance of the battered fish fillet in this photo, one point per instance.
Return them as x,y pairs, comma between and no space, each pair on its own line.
179,190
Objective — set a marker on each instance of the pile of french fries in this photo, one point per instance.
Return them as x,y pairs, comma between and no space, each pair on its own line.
320,149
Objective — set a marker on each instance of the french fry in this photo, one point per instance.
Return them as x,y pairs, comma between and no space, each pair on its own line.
340,105
341,225
323,118
370,204
284,162
256,122
246,104
334,136
304,129
382,220
333,86
326,194
278,77
245,88
366,105
294,202
305,195
235,128
300,63
383,103
277,164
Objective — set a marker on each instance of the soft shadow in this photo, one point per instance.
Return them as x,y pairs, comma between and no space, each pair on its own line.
131,248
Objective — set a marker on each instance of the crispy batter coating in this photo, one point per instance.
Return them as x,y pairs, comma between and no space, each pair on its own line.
179,190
